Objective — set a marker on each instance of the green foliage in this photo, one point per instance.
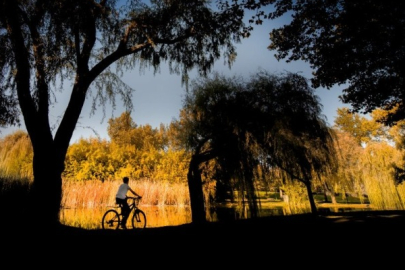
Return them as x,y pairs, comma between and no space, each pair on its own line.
378,177
362,129
146,156
121,129
134,151
370,131
344,199
89,160
348,177
172,167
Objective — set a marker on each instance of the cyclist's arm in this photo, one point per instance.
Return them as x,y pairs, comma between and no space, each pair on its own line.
133,192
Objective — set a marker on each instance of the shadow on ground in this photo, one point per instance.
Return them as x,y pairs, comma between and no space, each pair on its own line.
359,238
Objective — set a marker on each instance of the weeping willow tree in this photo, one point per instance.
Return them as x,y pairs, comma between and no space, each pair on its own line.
293,132
208,131
377,173
274,119
347,179
16,156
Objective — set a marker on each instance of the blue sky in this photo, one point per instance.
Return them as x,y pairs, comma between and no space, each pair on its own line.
158,98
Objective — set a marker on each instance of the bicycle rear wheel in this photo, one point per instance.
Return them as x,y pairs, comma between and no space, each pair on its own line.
138,219
111,220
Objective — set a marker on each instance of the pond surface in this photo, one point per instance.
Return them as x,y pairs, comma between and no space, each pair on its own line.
158,216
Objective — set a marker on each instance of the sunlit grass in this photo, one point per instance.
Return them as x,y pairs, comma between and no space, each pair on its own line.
99,194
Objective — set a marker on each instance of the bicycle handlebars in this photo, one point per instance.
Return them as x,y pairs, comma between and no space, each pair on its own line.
134,198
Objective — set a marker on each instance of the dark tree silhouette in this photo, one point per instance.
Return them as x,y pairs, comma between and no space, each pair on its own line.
271,119
358,43
296,137
9,113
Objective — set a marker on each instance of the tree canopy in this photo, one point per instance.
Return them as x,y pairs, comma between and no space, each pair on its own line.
271,120
9,113
355,43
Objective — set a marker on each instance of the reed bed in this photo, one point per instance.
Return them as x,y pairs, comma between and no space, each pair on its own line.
92,193
84,202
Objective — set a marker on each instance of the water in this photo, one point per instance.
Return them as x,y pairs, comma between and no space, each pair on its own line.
159,216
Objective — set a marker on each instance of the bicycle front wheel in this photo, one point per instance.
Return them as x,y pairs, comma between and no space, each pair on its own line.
111,220
138,219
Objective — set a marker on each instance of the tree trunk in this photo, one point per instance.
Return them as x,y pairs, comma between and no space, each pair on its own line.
314,209
325,195
46,193
196,191
326,191
333,198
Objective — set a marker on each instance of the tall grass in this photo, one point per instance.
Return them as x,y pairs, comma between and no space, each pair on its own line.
78,197
100,194
82,195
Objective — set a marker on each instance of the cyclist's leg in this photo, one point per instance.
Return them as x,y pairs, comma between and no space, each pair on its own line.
125,214
124,211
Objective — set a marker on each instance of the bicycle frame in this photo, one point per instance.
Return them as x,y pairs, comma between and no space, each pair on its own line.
133,205
112,218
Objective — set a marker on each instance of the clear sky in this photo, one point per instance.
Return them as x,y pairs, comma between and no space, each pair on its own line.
158,98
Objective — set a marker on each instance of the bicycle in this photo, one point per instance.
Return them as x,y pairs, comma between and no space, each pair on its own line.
112,218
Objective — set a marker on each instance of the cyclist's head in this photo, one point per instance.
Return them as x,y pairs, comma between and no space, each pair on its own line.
126,180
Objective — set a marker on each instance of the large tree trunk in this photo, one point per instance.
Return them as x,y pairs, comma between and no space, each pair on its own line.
196,191
49,158
46,193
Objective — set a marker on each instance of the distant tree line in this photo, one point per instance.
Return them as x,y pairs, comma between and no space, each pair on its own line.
134,151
